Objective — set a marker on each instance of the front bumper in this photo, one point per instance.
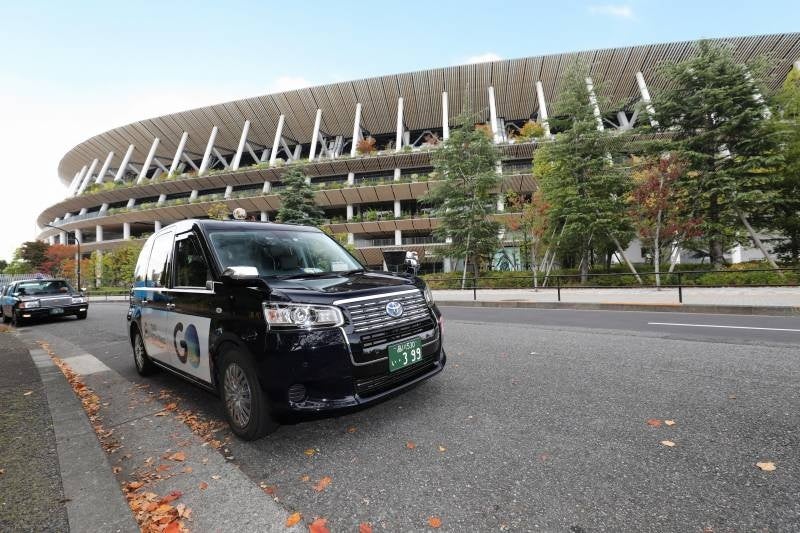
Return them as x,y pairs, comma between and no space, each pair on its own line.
43,312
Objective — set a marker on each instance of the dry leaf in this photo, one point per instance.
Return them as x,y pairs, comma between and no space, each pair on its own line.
161,413
171,406
172,496
162,468
293,519
28,393
215,476
768,466
117,469
305,478
654,422
2,471
269,489
322,484
365,527
187,470
435,522
410,445
309,452
668,443
351,429
669,422
320,525
173,527
177,456
203,485
134,485
442,449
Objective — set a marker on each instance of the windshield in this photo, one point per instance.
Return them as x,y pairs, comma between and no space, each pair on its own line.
282,253
43,287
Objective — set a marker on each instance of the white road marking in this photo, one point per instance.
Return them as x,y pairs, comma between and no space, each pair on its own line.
718,326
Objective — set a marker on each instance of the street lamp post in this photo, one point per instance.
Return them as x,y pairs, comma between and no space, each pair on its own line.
78,244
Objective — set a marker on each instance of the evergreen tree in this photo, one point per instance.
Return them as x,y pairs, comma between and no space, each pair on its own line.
32,252
786,218
297,200
580,181
465,198
720,128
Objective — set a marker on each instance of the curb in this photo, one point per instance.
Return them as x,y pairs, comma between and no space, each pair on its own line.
661,308
93,499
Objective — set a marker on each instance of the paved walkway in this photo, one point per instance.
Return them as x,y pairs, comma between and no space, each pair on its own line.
758,296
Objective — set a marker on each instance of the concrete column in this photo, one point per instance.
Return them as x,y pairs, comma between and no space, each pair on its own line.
398,237
207,154
161,199
267,187
73,185
131,203
501,203
126,231
797,64
51,240
349,212
351,239
397,174
148,161
98,269
493,116
315,135
87,178
83,211
736,254
177,159
156,225
193,195
351,178
62,237
228,191
543,117
593,100
445,117
98,232
124,164
78,237
102,174
276,143
237,159
399,139
264,216
103,208
646,99
397,210
356,130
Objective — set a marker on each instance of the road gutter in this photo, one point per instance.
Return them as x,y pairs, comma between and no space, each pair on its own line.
664,308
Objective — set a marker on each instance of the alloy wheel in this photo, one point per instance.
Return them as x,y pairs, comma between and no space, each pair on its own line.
238,397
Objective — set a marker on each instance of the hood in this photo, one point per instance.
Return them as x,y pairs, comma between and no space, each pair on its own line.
336,287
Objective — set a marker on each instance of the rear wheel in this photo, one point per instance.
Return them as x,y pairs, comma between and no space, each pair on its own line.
144,366
245,402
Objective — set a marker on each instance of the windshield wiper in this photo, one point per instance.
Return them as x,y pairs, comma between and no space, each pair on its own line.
320,274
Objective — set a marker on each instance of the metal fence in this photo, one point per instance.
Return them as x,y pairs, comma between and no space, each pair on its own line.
678,280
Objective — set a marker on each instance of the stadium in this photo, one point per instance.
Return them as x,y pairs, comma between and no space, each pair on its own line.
365,145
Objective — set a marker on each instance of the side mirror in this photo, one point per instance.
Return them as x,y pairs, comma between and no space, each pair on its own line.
241,276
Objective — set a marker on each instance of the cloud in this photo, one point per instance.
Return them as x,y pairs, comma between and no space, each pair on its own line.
482,58
621,11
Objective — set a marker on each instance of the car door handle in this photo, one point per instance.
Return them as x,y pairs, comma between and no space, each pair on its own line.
170,307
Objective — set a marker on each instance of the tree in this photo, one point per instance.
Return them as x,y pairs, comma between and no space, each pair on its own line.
465,198
657,207
786,216
33,252
3,265
297,200
533,223
55,256
18,266
218,211
720,127
117,265
579,179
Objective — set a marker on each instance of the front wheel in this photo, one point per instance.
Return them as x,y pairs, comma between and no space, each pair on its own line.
16,320
82,316
245,403
144,366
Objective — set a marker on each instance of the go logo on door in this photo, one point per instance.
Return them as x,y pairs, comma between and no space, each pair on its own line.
187,344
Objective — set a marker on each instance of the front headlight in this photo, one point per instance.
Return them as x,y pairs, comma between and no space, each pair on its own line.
302,315
78,300
27,304
428,295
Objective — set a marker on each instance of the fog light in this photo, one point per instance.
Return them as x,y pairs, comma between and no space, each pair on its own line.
297,393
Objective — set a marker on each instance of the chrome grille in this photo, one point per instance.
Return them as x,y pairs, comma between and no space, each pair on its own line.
369,315
55,301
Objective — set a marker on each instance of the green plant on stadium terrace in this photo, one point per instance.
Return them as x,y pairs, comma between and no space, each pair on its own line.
218,211
531,130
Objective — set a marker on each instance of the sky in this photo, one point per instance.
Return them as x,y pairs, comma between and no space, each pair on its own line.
71,70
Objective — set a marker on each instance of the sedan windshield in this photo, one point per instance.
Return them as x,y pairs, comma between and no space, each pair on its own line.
282,253
43,287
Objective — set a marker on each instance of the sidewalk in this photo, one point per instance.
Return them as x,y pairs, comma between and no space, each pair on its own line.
31,494
780,300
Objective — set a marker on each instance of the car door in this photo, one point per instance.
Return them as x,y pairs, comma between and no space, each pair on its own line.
190,308
155,301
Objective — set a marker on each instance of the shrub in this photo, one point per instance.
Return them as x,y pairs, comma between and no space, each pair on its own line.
531,130
366,146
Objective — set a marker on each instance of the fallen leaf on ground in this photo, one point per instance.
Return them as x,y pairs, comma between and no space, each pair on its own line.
162,468
309,452
133,485
171,406
27,393
269,489
161,413
172,496
668,443
654,422
305,478
669,422
173,527
351,429
410,445
117,469
177,456
187,470
203,485
442,449
322,484
435,522
364,527
767,466
320,525
293,519
2,471
215,476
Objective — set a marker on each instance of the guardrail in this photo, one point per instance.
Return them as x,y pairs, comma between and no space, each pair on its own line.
679,280
121,295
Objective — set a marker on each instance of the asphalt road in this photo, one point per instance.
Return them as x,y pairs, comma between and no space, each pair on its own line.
541,416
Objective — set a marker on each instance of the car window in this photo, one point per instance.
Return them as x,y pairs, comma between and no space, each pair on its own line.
191,267
44,287
158,270
140,272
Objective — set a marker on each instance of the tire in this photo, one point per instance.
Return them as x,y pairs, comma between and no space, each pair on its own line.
243,399
82,316
6,319
144,365
16,320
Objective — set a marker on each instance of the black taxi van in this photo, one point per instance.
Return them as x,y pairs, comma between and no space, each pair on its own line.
279,320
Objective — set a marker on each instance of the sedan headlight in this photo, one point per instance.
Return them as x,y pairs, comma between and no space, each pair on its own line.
428,295
27,304
302,315
78,300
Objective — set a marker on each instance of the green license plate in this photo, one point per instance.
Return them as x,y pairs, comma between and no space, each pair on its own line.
56,311
404,353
